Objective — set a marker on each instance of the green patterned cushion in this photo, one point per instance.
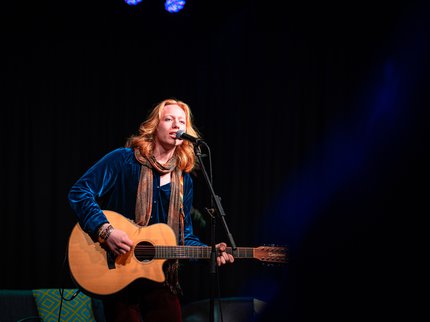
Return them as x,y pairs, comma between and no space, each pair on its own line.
49,301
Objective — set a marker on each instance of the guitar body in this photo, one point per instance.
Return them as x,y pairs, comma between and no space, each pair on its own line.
88,261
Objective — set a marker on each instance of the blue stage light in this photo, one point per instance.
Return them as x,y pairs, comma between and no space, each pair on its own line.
133,2
174,5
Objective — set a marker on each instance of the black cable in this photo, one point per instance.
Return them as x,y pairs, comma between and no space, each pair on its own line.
61,290
28,318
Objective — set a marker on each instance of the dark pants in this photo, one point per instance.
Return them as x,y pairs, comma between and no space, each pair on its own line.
143,300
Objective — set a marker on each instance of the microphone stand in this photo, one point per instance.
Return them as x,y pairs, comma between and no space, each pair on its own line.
221,214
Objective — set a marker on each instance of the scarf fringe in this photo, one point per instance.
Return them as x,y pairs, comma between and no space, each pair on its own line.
172,277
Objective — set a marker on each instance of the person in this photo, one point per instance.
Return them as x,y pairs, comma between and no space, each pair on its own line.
148,181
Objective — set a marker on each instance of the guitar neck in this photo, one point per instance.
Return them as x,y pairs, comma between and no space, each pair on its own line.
198,252
268,254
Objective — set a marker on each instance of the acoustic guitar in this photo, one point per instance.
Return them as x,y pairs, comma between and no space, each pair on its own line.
101,272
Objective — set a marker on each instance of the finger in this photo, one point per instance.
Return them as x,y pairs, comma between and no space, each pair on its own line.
228,258
120,250
222,246
125,247
129,242
223,260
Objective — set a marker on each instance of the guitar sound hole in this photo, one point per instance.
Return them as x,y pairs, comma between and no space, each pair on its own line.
144,251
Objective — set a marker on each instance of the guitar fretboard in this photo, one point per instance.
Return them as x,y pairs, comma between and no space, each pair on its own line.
147,252
188,252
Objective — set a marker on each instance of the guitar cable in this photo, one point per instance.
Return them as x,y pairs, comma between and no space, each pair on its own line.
61,290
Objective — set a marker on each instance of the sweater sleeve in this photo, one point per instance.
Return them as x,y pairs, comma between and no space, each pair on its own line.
94,184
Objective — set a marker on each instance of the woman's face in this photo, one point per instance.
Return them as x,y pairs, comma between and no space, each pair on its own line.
172,119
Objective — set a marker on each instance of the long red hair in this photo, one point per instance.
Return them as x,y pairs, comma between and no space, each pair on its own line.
144,140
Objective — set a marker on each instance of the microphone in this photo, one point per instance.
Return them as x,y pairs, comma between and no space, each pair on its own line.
181,135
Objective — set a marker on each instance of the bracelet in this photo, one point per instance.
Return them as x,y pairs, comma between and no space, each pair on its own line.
109,231
100,229
103,234
99,233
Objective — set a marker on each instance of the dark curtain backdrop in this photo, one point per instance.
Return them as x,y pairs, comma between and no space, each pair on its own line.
314,114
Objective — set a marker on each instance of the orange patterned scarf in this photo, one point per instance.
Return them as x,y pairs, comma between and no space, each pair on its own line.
175,217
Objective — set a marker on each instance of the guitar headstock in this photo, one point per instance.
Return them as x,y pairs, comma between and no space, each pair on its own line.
271,254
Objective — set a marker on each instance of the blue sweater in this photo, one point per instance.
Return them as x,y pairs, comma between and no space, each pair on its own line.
111,184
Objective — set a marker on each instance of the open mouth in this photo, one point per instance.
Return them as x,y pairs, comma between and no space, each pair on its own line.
173,135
